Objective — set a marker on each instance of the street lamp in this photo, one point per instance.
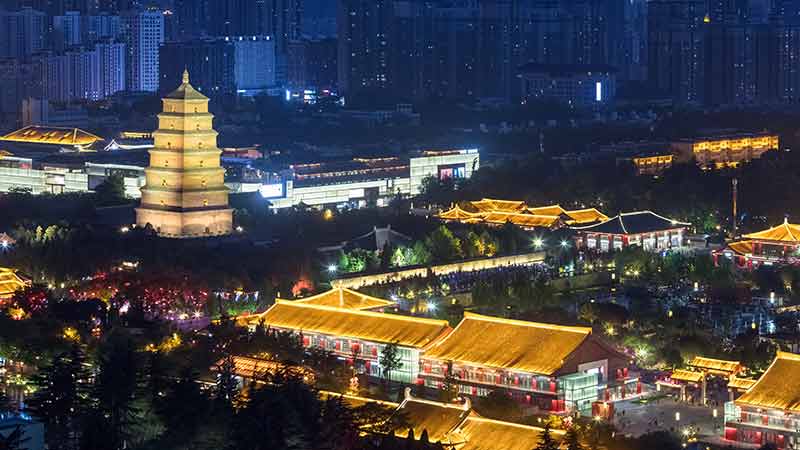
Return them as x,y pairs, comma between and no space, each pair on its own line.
564,244
538,242
332,268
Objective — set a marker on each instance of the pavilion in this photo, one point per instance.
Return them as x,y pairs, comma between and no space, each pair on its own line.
499,212
349,333
557,368
777,245
697,373
643,228
769,411
10,283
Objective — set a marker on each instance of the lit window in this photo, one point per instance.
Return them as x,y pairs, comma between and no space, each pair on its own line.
205,202
201,163
163,182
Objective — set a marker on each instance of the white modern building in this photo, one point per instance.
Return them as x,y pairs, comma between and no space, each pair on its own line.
366,182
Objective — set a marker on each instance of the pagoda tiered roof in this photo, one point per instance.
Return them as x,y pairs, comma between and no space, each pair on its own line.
10,282
634,223
786,233
778,388
495,211
486,341
406,331
345,298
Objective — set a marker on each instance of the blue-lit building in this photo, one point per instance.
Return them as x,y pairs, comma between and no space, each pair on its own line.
576,85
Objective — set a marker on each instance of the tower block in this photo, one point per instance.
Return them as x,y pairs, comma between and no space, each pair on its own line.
185,195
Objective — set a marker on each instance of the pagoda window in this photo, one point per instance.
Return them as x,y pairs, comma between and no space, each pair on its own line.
163,182
195,109
197,126
162,202
203,183
205,202
166,163
169,145
201,163
200,144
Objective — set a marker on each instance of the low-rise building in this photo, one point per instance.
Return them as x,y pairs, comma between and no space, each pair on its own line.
769,411
356,335
720,151
777,245
642,228
366,181
556,368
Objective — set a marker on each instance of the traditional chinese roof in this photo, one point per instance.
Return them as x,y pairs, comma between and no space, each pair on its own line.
484,434
38,134
10,282
583,216
552,210
715,365
778,387
439,419
742,248
740,383
785,232
370,326
522,220
687,375
345,298
458,214
256,368
509,344
634,223
494,205
186,91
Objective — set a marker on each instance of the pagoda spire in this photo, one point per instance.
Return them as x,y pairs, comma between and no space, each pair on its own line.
185,75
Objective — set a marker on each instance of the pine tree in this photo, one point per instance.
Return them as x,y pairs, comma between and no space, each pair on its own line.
571,439
61,399
546,442
390,360
227,388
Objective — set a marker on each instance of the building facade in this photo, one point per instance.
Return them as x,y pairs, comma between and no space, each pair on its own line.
778,245
143,32
556,368
22,33
185,194
725,151
768,412
577,86
645,229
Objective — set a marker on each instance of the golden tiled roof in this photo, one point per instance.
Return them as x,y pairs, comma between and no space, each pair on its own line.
715,365
439,419
370,326
785,232
778,387
494,205
588,215
487,434
345,298
456,213
37,134
10,282
740,383
687,375
552,210
256,368
522,220
743,248
509,344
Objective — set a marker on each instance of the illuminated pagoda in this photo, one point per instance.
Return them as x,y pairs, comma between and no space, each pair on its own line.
458,426
557,368
185,195
10,283
643,228
347,332
498,212
776,245
769,411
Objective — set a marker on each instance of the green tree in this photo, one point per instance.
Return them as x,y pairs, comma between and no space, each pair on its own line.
227,388
571,439
111,191
61,399
390,360
498,405
546,441
184,407
443,245
449,390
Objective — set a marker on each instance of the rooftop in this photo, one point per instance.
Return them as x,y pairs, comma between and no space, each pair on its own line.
509,344
715,365
186,91
778,387
517,212
38,134
634,223
784,233
370,326
10,282
345,298
439,419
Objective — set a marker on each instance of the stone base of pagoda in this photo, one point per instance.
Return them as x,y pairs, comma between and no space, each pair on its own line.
187,224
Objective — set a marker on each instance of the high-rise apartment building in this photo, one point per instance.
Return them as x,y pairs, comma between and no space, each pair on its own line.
81,74
22,33
143,32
